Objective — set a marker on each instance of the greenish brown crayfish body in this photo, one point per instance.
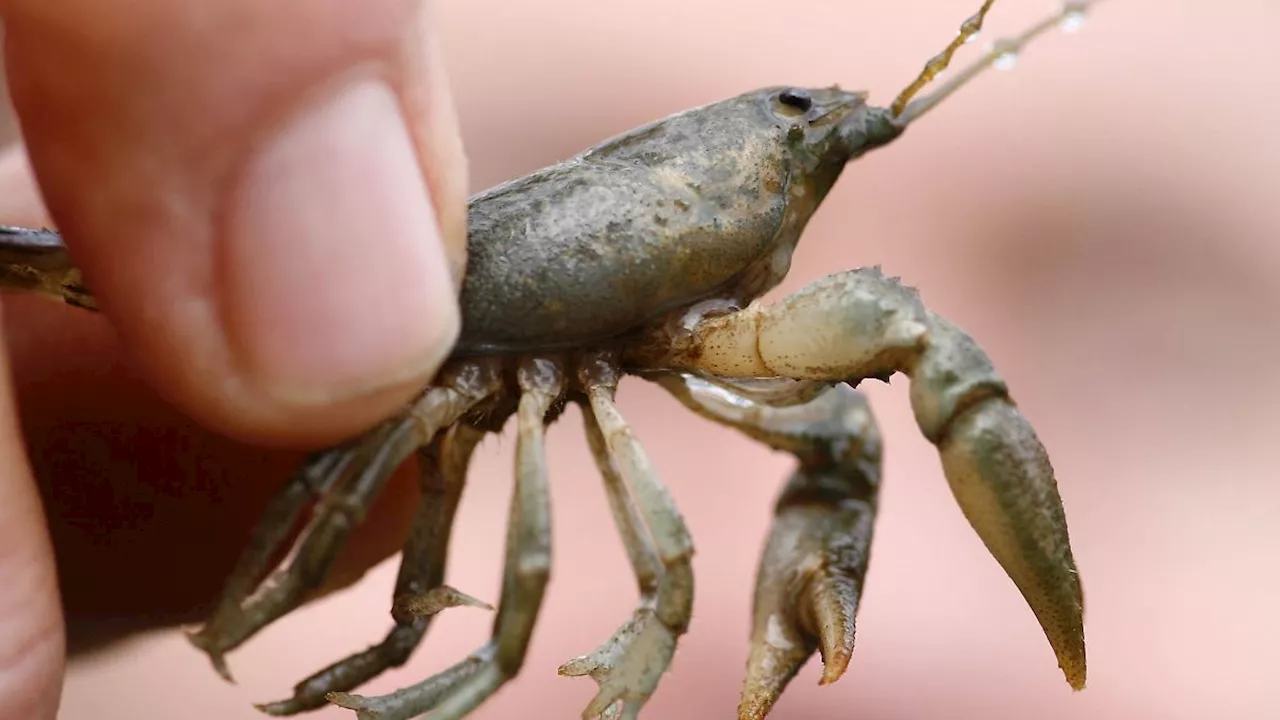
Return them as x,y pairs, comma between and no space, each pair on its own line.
708,202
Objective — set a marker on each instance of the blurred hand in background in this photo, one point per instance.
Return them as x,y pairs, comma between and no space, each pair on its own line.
269,202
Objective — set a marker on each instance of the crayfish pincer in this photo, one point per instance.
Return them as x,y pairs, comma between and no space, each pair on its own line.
646,256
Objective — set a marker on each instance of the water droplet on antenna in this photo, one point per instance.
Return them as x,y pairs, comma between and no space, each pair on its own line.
1072,19
1006,60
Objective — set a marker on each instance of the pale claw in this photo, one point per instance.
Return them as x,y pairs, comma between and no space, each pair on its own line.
627,667
809,583
1001,476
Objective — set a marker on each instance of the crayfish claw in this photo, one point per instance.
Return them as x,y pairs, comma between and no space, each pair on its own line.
1000,475
809,585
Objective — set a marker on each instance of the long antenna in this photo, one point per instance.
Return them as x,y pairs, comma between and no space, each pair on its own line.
968,30
1001,52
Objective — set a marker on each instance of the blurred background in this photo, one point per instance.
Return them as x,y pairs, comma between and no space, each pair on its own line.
1103,219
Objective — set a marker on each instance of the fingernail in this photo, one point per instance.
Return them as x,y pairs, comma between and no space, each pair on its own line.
334,278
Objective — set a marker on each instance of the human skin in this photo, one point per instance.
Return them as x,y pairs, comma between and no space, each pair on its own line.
209,166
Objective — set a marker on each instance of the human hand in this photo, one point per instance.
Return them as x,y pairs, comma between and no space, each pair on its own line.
268,201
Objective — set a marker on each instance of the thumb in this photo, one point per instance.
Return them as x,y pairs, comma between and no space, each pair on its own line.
268,199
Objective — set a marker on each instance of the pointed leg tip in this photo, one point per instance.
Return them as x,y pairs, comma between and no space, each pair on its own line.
284,708
219,661
461,599
277,709
834,668
347,701
579,666
1075,674
1069,648
759,696
832,604
406,609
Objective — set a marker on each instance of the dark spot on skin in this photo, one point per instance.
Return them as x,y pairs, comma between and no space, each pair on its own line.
681,205
796,98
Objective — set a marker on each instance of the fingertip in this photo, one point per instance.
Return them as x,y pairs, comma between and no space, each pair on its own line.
330,266
285,266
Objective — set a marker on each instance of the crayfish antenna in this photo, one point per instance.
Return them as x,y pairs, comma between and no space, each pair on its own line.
1002,53
968,30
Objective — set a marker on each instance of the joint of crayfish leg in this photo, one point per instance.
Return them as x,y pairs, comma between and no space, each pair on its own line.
459,387
950,373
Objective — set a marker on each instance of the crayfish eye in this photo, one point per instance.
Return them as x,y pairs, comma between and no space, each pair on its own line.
796,98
